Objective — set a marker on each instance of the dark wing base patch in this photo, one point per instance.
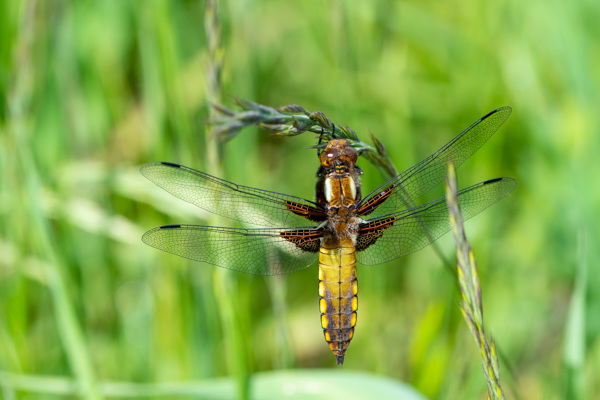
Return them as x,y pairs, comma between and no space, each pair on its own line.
308,240
371,204
369,233
306,211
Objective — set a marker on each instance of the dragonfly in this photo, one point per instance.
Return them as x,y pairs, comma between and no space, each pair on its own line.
337,230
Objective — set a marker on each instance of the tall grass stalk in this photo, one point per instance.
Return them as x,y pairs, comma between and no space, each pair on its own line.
471,306
227,292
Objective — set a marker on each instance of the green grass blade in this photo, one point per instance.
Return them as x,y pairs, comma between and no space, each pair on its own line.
471,305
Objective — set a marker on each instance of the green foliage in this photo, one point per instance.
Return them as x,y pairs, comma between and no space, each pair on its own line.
298,384
91,90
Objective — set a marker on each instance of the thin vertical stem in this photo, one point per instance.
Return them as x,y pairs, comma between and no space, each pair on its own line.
225,284
214,87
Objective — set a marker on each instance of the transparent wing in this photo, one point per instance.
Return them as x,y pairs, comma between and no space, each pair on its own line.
253,251
398,234
401,191
241,203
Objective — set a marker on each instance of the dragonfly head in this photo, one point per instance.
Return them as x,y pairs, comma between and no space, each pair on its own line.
338,152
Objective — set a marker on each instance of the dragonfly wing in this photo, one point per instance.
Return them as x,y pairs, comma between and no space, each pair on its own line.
241,203
400,191
253,251
398,234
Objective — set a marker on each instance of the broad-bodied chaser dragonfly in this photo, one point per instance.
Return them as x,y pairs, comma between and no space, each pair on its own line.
346,227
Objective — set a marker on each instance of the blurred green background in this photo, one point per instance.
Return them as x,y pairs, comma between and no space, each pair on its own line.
92,90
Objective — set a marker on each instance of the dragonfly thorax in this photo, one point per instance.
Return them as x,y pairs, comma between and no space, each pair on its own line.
338,185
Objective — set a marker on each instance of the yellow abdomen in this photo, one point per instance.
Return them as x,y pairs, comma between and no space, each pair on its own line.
338,289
